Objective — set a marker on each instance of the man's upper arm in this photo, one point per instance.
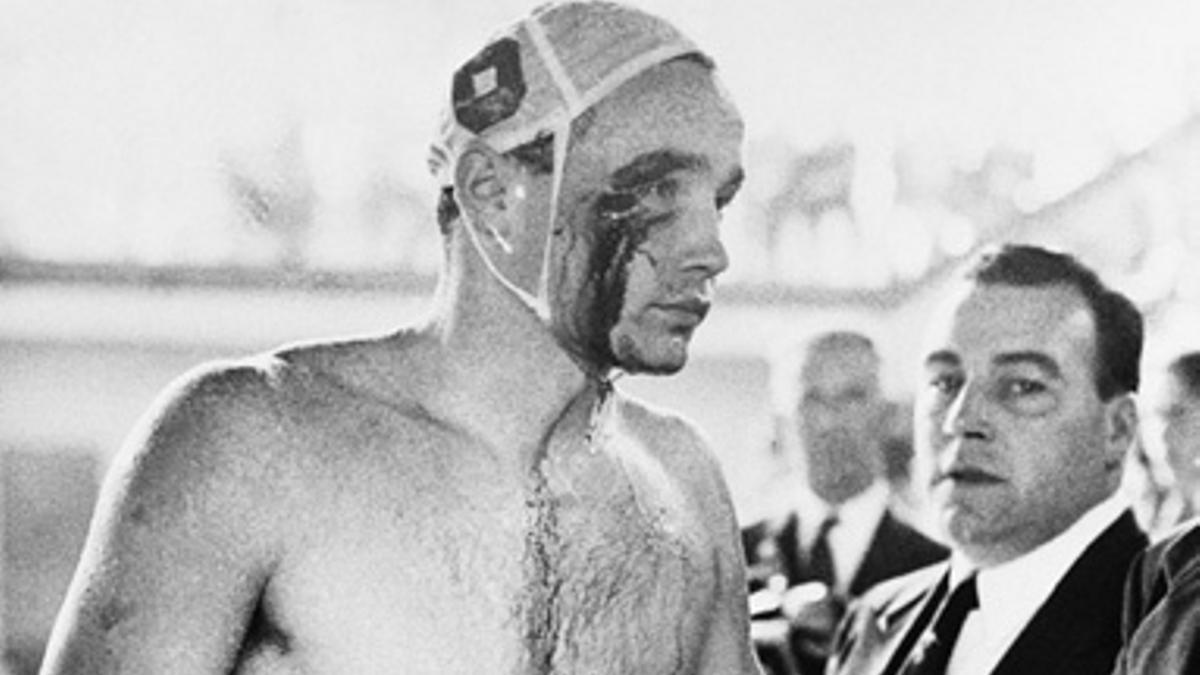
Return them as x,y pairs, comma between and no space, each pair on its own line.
728,648
176,556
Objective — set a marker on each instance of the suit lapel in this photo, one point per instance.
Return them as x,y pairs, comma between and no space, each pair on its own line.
1083,613
872,567
908,614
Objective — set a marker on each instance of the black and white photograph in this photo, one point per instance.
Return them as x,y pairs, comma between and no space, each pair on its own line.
599,337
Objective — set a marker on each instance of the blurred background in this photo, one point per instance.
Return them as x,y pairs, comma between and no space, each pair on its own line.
189,179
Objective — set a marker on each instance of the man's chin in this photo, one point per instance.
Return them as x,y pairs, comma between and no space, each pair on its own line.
637,363
665,360
654,368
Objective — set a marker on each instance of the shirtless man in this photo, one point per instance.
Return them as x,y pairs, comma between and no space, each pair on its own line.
468,494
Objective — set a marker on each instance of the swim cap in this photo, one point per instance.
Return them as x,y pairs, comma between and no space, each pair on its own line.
538,75
534,79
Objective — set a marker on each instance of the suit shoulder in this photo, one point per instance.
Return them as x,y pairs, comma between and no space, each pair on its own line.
1162,606
914,543
759,539
758,529
899,592
1178,554
1170,566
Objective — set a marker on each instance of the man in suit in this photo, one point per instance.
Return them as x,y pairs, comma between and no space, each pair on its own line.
1022,421
1161,625
836,529
1162,598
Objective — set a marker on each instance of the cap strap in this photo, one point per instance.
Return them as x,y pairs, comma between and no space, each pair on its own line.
630,69
537,33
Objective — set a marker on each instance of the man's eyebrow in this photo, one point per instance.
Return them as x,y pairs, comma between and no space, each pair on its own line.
1037,359
943,357
651,166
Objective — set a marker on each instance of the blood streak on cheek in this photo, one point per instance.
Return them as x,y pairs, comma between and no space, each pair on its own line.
608,265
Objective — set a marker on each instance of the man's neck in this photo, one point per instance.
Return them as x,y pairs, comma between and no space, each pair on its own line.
502,375
1073,536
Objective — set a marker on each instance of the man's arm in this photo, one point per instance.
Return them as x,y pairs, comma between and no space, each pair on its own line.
728,648
177,553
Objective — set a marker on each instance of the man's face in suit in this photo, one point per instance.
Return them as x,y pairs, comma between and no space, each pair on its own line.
840,414
1010,423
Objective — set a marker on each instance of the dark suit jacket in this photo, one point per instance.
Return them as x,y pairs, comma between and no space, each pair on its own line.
1162,607
895,549
1076,632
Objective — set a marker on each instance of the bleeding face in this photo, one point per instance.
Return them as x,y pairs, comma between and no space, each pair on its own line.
641,199
1010,421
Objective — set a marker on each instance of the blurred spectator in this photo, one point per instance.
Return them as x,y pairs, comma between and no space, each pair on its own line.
1150,491
835,534
1178,413
1162,616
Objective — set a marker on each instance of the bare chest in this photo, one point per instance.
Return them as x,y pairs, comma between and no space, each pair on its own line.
596,566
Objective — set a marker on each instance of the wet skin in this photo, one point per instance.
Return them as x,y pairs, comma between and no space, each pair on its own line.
639,239
339,508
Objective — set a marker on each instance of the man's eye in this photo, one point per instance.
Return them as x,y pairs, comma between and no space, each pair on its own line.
1020,386
1025,396
617,205
646,200
946,384
660,193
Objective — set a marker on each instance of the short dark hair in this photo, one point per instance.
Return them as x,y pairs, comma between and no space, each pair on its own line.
1186,367
1119,325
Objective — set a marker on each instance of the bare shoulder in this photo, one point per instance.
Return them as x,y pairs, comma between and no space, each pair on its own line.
181,542
258,416
681,447
670,436
210,433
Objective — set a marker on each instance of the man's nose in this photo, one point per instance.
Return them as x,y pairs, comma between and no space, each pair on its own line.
967,415
705,252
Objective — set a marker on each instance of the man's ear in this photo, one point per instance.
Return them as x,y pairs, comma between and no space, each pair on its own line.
1120,427
484,183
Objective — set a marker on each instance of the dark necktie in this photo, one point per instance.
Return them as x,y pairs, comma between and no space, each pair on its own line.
931,653
820,556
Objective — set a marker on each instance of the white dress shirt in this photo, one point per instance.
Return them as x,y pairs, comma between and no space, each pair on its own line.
1011,593
857,520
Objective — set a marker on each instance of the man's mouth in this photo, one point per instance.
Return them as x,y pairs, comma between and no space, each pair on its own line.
691,311
968,476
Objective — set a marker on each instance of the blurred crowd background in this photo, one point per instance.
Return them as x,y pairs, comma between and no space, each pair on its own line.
183,180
